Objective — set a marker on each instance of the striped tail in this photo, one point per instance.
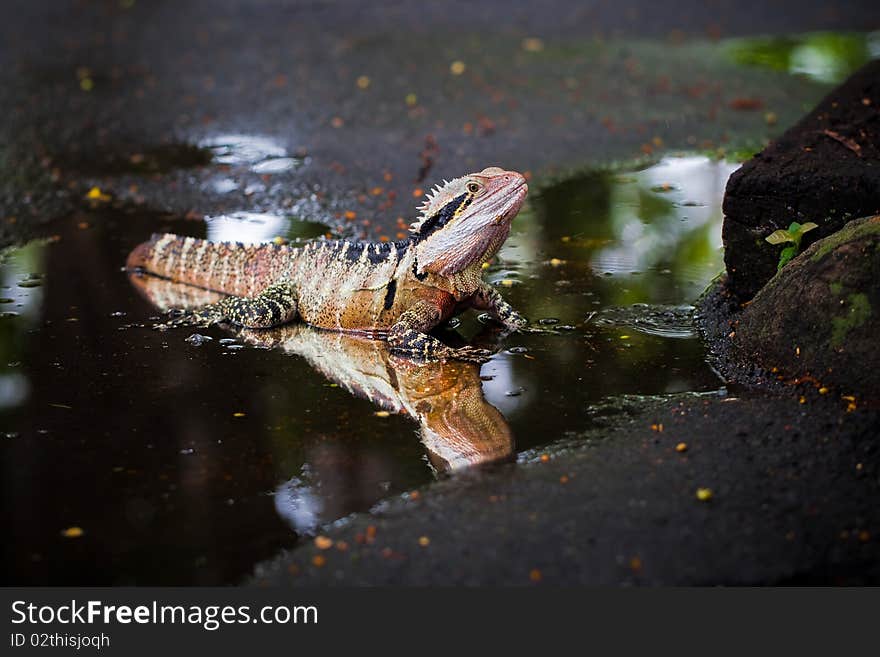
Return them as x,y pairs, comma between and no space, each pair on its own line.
228,267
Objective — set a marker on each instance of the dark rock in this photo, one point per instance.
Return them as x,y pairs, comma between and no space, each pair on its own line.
826,169
820,316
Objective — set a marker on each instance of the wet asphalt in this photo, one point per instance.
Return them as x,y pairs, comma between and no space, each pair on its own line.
364,98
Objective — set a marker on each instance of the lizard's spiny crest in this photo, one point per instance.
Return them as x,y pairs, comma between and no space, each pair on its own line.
440,205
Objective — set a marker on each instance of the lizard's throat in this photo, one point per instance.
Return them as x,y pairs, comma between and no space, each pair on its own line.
459,253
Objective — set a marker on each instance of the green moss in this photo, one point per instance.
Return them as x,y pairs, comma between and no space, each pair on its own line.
852,231
859,312
836,288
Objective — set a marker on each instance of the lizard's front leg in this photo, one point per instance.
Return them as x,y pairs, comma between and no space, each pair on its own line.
409,336
489,299
275,305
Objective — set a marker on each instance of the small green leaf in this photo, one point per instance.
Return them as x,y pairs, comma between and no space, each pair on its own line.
807,227
794,228
779,237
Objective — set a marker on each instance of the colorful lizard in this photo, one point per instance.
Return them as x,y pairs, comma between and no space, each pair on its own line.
458,427
395,290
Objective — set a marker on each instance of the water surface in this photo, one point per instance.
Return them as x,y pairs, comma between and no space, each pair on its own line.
186,463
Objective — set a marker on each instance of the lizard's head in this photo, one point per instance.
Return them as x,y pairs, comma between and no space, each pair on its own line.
465,221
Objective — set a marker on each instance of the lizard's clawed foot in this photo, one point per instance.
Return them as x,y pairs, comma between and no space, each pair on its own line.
515,322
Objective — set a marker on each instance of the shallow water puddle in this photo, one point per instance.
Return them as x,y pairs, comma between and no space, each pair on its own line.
187,461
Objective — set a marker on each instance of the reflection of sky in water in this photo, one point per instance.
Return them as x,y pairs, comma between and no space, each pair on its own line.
246,227
264,154
825,57
256,227
224,185
26,302
662,221
14,388
816,62
17,266
299,505
646,238
274,165
242,149
502,381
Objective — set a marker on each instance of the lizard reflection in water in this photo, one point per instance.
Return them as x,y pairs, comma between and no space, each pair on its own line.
458,427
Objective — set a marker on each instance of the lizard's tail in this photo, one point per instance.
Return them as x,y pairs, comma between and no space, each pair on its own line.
228,267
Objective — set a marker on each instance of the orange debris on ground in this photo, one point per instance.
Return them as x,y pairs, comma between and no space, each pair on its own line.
323,542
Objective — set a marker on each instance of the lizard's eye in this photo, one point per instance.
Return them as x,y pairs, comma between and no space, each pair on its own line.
473,187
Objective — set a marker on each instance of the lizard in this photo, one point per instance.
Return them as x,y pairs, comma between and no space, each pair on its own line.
398,291
458,427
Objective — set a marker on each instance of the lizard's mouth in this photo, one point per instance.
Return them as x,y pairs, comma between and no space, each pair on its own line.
510,202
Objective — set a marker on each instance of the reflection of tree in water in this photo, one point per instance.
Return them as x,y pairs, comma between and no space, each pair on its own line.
822,56
665,217
457,426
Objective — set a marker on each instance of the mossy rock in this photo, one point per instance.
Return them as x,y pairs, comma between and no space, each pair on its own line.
820,315
825,170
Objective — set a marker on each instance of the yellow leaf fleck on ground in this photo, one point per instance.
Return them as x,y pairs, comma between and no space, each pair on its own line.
381,413
457,67
532,44
424,541
681,447
238,414
72,532
95,194
704,494
363,82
